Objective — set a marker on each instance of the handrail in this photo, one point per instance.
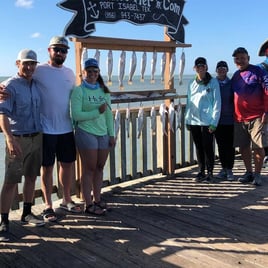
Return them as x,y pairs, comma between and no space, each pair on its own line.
128,44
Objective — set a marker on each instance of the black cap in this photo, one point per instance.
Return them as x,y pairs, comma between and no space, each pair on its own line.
200,60
240,50
222,64
263,48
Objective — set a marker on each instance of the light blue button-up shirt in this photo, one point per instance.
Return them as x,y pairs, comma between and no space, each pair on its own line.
23,105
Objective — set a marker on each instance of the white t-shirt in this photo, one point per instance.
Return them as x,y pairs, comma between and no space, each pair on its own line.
57,84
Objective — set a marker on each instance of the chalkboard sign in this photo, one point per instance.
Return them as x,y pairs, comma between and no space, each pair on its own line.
161,12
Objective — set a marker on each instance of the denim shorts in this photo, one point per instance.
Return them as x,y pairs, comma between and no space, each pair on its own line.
85,140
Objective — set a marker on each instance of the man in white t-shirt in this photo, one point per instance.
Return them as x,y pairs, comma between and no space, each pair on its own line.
58,138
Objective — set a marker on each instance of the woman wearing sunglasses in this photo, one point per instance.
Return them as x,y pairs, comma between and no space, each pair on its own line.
94,133
202,115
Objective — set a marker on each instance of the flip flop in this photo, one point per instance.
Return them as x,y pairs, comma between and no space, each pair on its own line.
49,215
71,207
95,209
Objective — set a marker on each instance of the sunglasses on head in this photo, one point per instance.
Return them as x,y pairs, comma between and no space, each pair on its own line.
62,50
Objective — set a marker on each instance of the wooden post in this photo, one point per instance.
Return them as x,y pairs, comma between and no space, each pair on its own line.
78,54
169,140
77,170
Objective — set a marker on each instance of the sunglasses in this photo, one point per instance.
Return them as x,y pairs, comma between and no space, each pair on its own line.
92,71
222,68
200,65
62,50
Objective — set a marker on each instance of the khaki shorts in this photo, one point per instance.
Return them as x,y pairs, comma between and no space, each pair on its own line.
30,162
250,133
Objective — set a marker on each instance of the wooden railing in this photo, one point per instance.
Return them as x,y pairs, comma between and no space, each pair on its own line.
150,154
135,157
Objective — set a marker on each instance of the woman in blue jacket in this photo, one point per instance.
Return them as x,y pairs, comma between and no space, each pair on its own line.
202,115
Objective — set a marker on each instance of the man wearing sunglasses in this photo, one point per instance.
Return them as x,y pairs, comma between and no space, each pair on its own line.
58,138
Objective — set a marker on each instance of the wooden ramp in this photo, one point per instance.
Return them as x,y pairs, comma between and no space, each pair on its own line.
153,222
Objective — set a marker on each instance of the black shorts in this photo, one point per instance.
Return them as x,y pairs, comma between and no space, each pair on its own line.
60,146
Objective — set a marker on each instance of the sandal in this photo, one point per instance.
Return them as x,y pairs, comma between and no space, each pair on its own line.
49,215
102,204
71,207
95,209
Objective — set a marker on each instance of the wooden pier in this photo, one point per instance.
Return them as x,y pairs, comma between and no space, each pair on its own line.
156,221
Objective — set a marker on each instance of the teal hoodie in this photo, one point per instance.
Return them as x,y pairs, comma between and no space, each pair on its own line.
203,105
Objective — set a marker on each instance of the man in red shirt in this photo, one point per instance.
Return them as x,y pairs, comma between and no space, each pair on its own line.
250,86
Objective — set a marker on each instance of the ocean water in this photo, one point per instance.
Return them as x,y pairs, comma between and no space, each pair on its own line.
137,85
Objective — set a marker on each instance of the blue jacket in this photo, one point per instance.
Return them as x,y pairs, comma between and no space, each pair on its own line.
203,103
227,102
261,65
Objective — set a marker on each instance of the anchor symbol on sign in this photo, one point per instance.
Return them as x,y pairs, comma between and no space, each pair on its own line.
91,7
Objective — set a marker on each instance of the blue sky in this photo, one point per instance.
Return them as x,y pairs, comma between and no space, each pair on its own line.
215,29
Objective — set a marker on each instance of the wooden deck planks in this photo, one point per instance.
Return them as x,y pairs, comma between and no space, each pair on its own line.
154,222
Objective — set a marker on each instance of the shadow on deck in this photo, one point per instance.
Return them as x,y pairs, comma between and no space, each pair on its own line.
153,222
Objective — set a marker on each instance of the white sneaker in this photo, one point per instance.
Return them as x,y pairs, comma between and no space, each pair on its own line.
265,162
230,175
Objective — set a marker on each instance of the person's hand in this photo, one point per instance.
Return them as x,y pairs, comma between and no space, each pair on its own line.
265,118
3,93
14,147
102,108
112,141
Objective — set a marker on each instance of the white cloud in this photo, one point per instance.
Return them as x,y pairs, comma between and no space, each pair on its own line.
35,35
24,3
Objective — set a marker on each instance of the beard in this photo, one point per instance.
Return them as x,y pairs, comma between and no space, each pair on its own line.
58,60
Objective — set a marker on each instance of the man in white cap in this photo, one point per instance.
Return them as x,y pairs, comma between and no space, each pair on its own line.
21,126
58,137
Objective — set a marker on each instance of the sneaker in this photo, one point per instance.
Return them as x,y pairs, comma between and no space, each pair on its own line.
230,176
246,178
265,162
200,176
209,177
222,175
32,220
4,227
4,231
257,180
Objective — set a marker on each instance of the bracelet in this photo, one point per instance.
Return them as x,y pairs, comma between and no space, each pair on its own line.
211,127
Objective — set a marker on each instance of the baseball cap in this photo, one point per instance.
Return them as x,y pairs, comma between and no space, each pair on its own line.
263,47
91,63
27,55
58,40
200,60
239,50
222,64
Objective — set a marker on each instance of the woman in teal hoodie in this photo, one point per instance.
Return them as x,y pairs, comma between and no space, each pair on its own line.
202,115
